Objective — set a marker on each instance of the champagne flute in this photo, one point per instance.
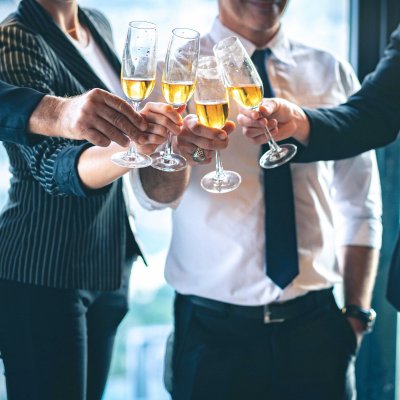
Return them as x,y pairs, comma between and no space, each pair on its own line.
246,88
178,83
212,108
138,74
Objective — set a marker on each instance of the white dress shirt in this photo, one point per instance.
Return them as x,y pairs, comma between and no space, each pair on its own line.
217,248
95,57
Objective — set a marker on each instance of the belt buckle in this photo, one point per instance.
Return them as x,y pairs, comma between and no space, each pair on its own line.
268,318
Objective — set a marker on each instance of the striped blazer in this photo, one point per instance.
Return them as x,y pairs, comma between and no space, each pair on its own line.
53,231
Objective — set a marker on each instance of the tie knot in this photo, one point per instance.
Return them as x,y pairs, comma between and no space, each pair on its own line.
261,56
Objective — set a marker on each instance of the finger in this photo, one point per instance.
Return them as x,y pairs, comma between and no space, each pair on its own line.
160,124
229,127
260,139
119,121
249,113
264,137
188,150
248,122
206,144
149,138
96,137
268,107
111,132
193,128
147,148
253,132
166,110
122,107
159,130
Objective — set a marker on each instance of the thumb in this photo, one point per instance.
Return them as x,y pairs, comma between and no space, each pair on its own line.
229,127
268,107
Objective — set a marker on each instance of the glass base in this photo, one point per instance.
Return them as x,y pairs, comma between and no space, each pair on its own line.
272,159
168,162
124,159
228,182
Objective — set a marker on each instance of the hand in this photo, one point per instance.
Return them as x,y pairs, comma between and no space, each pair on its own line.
161,119
253,125
99,117
194,135
291,120
358,328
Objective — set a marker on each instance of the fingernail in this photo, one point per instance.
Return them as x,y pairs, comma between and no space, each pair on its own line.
268,109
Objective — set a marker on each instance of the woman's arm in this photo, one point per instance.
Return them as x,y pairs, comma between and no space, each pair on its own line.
95,167
65,167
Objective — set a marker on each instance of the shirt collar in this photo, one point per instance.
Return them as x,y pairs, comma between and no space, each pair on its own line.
279,45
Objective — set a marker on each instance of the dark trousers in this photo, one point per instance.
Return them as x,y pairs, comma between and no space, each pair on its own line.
57,344
223,356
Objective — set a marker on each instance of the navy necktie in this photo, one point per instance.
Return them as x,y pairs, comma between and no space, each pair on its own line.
280,224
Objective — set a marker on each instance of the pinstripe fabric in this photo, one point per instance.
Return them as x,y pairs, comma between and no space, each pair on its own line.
54,232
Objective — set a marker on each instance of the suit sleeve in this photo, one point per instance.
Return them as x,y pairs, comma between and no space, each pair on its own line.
16,107
370,118
51,161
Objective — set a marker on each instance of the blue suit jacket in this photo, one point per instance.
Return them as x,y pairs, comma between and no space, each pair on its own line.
16,106
370,119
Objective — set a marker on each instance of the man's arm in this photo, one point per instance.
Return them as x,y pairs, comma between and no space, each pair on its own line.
369,119
360,264
95,168
357,213
96,116
166,187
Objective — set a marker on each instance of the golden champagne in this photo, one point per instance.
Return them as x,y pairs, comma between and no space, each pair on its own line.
212,113
177,93
248,96
137,89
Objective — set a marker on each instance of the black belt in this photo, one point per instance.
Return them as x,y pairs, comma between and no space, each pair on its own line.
273,312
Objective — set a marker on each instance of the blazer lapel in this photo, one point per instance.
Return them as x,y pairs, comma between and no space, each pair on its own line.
35,17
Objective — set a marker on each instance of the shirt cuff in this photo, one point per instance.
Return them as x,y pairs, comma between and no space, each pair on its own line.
14,118
145,201
367,233
66,173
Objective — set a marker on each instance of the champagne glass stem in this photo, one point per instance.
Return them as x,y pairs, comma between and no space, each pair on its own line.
132,152
272,144
168,146
219,169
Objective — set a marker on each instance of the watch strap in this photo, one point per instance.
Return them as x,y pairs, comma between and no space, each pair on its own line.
365,315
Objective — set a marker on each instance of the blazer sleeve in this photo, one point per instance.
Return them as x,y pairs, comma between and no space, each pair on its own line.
16,107
369,119
51,161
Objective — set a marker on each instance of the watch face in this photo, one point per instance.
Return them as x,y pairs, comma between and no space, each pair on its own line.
367,316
